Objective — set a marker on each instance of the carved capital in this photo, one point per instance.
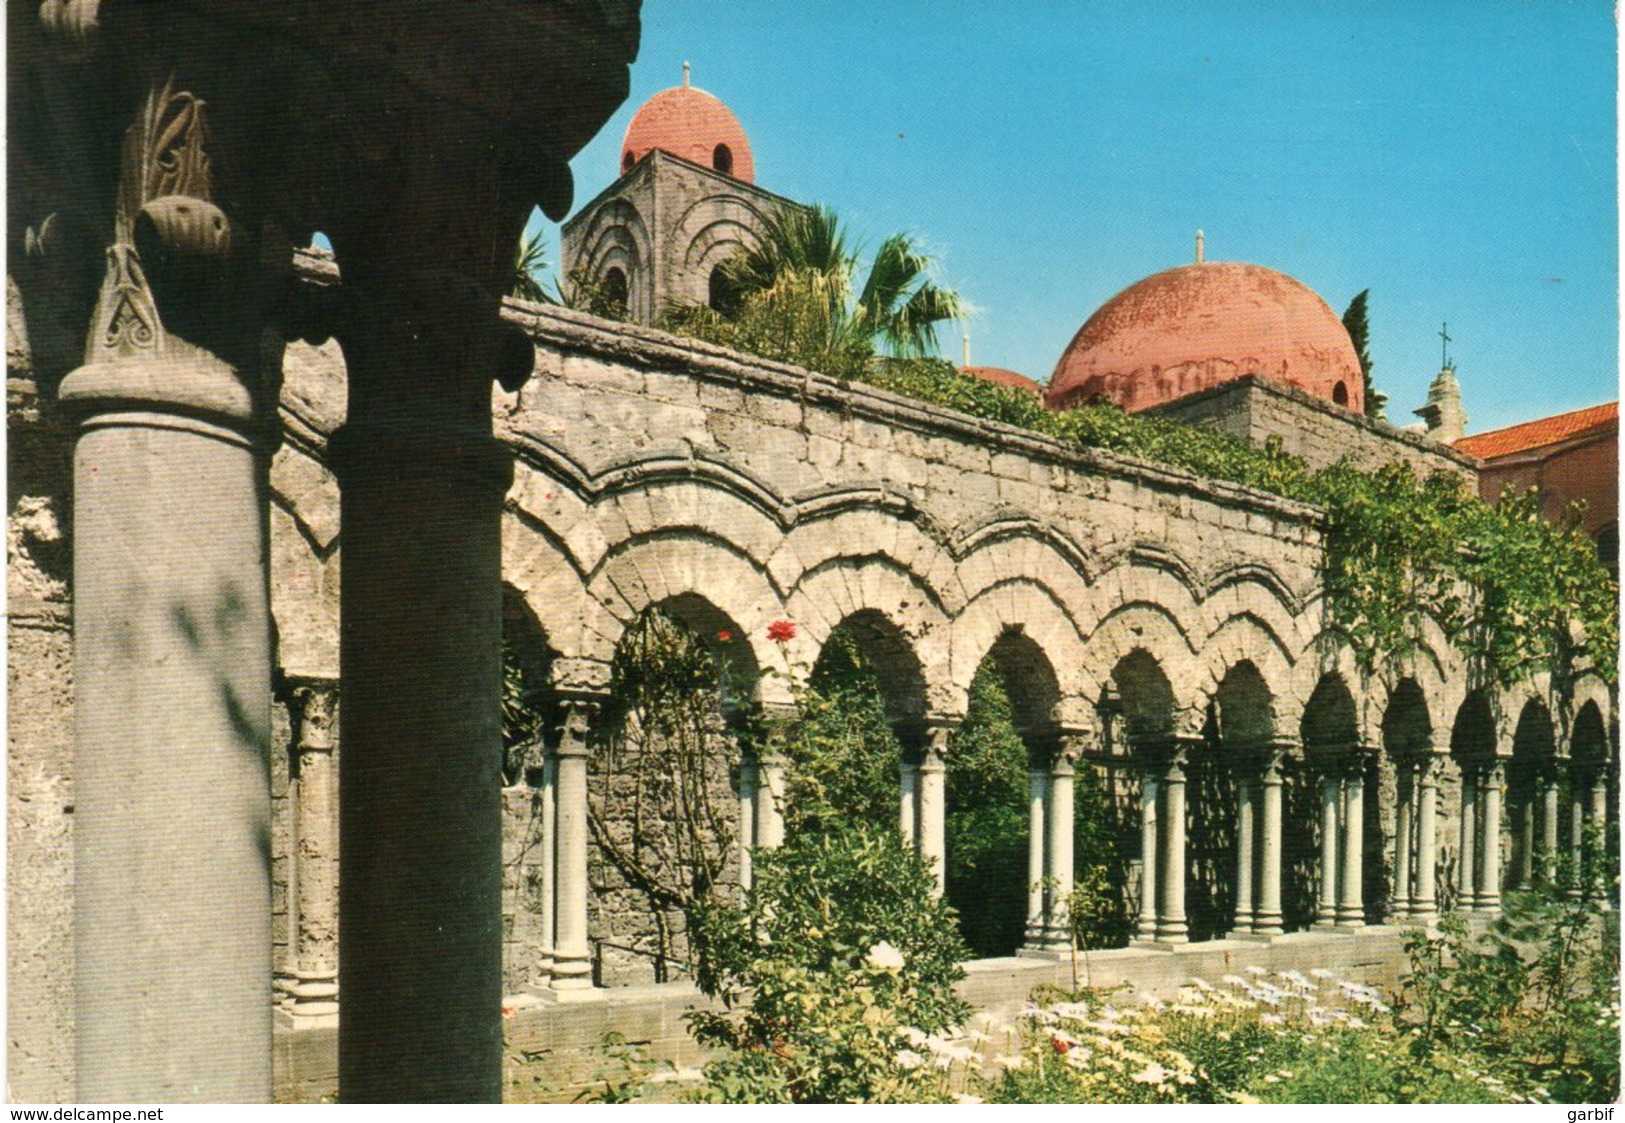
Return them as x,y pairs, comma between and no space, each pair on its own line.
315,716
578,714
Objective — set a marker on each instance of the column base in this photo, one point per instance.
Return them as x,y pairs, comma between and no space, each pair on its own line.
313,1001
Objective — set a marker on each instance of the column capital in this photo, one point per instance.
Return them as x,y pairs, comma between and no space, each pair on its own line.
578,713
315,714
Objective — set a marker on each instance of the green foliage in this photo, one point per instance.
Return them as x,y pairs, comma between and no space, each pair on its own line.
986,822
529,262
1097,906
664,763
525,709
794,297
841,949
843,753
1537,992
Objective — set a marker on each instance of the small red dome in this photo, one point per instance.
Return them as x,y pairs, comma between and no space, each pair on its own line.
1198,326
692,124
1001,377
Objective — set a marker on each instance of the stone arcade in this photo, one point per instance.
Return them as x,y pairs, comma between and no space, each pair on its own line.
1169,630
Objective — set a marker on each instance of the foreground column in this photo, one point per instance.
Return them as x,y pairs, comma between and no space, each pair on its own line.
1404,838
1171,927
422,479
1331,787
1037,829
572,952
1549,790
1351,906
316,854
770,800
1146,928
1060,849
1267,920
547,885
1467,847
171,644
909,801
749,789
1489,842
934,801
1425,902
1245,830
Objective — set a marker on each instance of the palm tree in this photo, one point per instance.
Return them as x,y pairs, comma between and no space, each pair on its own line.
804,258
529,261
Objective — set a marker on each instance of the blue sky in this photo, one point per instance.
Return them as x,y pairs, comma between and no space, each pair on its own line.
1455,157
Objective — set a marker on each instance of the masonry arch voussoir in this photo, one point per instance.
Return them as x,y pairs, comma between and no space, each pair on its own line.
1018,606
1246,638
657,569
1149,627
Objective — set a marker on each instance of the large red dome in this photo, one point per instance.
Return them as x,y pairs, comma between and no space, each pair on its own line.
692,124
1197,326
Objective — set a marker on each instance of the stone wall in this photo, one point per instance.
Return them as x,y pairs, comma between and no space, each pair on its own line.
1258,409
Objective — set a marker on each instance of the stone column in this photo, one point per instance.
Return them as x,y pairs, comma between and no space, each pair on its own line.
1599,798
1330,812
548,877
1523,818
1489,840
1245,859
1351,905
933,802
749,789
1267,919
1425,901
1059,848
572,953
1404,840
1171,927
908,803
422,484
1549,804
316,856
770,800
171,636
1467,852
1037,830
1150,830
1576,832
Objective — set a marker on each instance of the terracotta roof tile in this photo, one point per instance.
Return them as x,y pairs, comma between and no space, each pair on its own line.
1540,432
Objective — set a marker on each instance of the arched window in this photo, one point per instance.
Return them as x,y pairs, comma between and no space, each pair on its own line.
627,161
615,290
1340,394
722,159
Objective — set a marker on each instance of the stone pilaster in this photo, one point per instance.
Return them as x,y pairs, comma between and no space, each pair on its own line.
316,855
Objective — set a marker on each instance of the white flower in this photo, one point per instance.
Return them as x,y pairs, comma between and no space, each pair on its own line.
908,1058
1272,1019
884,957
967,1098
1200,983
1071,1010
1255,969
1322,973
1152,1073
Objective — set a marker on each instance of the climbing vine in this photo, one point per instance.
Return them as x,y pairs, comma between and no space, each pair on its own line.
1514,591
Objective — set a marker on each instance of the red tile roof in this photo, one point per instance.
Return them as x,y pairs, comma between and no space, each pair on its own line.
999,376
1540,433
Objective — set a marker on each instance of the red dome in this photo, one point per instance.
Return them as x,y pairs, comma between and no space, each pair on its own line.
692,124
1198,326
1001,377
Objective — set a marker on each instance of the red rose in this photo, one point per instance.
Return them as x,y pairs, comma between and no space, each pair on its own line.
1061,1047
781,631
724,636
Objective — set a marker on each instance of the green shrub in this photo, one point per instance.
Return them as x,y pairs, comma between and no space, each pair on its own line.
841,950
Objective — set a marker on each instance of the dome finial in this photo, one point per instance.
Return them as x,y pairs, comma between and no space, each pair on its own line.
1199,247
685,74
